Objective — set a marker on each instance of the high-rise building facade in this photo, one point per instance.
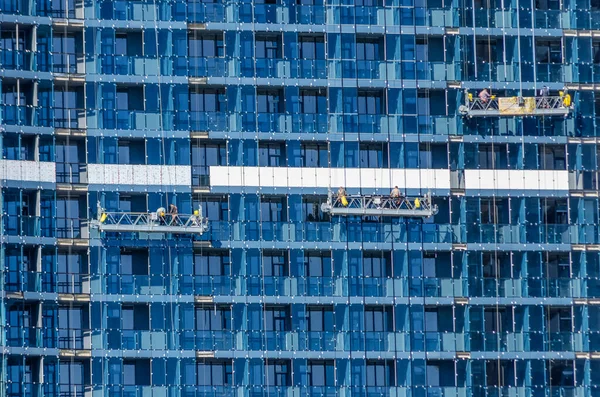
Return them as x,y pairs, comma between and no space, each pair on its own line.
480,277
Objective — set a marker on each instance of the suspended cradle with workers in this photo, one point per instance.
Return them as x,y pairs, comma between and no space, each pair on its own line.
485,105
377,205
150,222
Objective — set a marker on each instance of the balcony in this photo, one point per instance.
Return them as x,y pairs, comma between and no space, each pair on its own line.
309,15
308,68
22,281
22,336
269,391
348,231
207,391
74,338
71,173
269,340
270,122
549,73
22,225
548,19
267,67
201,12
208,121
18,60
208,340
355,15
133,11
208,67
68,63
209,285
135,65
24,115
67,118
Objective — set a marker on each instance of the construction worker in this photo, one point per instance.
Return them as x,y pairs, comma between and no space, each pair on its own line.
341,193
545,93
484,95
173,211
417,203
160,214
195,218
395,195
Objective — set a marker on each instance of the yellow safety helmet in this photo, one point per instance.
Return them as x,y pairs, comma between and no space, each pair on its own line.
196,212
561,94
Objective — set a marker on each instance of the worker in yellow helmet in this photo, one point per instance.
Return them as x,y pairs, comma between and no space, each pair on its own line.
417,203
195,218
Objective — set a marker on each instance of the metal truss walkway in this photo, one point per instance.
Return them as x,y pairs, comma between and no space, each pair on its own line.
374,205
152,222
517,106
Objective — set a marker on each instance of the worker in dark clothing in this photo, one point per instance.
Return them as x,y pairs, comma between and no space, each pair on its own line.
395,195
484,95
545,93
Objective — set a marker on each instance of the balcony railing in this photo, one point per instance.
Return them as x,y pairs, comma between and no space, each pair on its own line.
71,338
69,172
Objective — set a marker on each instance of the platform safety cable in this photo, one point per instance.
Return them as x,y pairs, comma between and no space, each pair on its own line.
474,38
194,277
261,226
164,164
65,57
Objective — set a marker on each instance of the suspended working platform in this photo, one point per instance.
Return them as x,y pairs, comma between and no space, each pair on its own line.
516,106
380,206
152,222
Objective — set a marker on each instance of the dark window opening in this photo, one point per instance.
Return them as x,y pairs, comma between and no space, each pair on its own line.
206,45
370,102
136,372
548,51
320,318
277,318
214,373
318,264
311,209
380,374
134,262
369,49
373,155
278,373
275,263
213,318
321,373
210,263
379,319
271,154
272,209
312,47
135,317
313,102
268,47
315,154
